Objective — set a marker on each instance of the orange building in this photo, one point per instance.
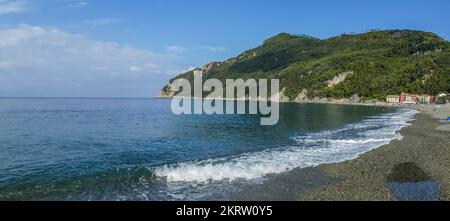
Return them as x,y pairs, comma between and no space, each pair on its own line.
408,98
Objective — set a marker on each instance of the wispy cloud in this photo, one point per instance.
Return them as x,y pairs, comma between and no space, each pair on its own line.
176,49
33,57
8,6
134,68
102,21
75,4
214,48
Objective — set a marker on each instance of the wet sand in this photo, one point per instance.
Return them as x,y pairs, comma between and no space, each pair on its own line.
426,144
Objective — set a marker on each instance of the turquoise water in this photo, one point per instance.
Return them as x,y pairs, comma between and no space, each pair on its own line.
136,149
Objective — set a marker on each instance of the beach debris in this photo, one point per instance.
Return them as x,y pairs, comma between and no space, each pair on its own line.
407,173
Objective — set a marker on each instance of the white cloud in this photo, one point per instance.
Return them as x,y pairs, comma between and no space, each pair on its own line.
40,47
8,6
46,55
4,65
103,21
176,49
135,69
75,4
214,48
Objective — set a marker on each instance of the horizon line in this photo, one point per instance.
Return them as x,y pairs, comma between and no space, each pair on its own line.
72,97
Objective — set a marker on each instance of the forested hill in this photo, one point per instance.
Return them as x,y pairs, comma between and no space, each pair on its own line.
370,65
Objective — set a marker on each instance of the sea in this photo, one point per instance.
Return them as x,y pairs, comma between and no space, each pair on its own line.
118,149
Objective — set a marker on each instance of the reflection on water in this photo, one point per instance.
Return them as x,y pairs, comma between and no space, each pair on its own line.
409,182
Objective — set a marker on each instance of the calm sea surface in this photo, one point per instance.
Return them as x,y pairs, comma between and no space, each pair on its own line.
136,149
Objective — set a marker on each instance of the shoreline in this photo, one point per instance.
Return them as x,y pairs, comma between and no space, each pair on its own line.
425,143
374,104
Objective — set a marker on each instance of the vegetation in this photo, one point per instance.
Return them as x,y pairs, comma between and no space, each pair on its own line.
379,62
441,100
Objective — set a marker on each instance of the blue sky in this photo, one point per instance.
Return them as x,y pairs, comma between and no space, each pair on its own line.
118,48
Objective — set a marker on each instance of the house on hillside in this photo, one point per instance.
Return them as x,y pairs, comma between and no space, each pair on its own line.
393,99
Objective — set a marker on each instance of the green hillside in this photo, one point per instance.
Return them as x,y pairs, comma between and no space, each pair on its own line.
376,64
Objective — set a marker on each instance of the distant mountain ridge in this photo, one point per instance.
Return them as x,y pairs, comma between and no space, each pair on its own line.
349,67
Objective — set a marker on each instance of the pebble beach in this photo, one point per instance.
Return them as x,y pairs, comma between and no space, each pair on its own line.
413,168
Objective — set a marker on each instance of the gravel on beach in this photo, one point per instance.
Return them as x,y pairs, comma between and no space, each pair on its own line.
424,150
365,178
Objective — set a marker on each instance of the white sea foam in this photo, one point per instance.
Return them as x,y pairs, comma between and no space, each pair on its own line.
312,149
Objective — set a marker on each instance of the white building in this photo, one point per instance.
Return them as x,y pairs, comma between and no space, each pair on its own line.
393,99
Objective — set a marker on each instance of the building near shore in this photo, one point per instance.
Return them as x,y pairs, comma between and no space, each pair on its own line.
393,99
442,98
442,95
425,99
408,98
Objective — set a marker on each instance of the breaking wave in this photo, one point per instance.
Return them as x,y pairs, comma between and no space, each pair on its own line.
311,149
